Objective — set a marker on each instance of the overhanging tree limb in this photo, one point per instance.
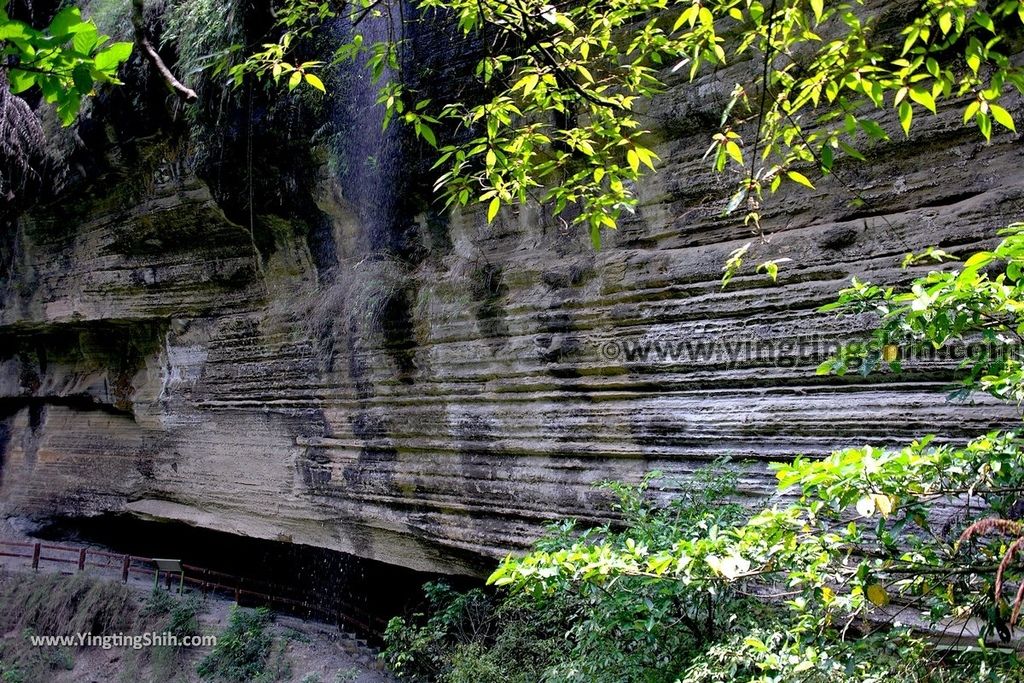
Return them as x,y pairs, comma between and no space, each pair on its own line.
183,91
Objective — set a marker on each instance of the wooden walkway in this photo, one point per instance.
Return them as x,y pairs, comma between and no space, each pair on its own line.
246,591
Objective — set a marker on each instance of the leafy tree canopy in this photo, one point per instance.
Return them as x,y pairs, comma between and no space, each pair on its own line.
561,87
66,60
565,86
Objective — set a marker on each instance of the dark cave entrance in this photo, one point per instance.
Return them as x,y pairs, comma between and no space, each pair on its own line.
362,594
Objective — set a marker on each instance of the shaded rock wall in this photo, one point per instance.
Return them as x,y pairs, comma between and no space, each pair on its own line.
432,398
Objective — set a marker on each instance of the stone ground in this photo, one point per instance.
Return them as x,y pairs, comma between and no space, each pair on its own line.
315,651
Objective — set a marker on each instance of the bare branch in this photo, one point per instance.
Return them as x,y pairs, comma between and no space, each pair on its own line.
183,91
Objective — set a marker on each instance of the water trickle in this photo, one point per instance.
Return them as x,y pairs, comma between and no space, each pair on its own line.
372,175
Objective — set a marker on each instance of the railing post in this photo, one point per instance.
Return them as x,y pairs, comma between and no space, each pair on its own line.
81,560
124,568
36,550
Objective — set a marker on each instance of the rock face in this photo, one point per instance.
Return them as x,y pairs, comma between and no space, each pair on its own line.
432,404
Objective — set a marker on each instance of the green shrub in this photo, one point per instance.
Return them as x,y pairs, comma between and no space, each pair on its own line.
246,651
640,631
164,612
470,636
184,618
876,539
158,603
10,674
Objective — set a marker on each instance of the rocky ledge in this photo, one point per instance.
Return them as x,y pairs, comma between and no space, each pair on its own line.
434,405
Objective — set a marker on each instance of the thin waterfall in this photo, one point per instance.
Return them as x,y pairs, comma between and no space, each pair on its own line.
371,176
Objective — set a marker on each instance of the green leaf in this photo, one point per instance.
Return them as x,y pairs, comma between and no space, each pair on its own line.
817,6
873,130
15,30
109,59
20,81
564,22
851,151
945,22
984,124
67,21
527,83
82,76
912,35
971,110
492,209
979,259
294,80
85,41
800,178
973,61
906,114
315,82
1002,117
68,108
771,268
924,98
734,151
827,158
633,160
428,135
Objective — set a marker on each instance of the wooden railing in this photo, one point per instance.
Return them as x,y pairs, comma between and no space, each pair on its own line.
245,590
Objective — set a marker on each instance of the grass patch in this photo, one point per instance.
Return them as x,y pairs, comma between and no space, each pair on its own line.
164,612
246,650
55,605
52,604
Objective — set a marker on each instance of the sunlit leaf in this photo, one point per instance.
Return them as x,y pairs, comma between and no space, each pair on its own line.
315,82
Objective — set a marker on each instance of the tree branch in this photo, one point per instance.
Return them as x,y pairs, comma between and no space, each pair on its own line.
180,89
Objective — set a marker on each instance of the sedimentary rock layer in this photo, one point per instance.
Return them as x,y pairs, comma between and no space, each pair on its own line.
159,359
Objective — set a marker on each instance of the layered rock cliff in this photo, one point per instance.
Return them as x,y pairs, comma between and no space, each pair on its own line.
367,375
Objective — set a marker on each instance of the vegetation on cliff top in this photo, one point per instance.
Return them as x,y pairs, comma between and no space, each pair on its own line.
554,108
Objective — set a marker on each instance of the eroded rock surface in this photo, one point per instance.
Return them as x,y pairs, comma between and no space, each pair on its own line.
432,397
